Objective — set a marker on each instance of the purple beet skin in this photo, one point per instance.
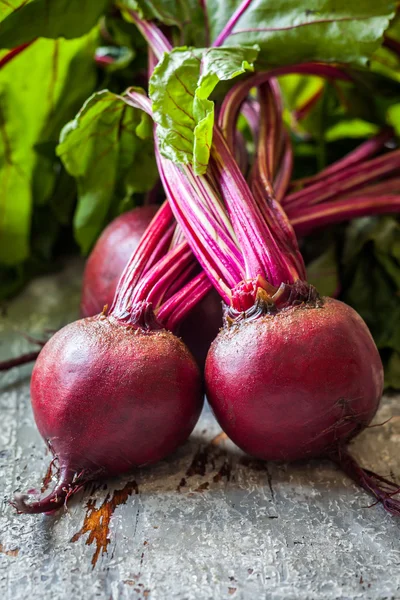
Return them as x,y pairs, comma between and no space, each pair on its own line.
106,263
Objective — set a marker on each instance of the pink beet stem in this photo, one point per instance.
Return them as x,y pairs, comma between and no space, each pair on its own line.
348,179
256,238
365,150
152,247
173,312
301,112
13,53
307,219
227,30
155,283
234,99
284,174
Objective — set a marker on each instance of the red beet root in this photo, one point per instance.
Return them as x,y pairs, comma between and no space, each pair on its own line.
106,263
201,326
109,257
108,397
295,384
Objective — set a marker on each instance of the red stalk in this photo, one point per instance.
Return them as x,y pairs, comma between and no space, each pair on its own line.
13,53
353,177
227,30
257,242
336,211
237,95
365,150
301,112
215,251
261,258
155,275
250,110
152,247
387,186
284,174
173,311
154,285
264,172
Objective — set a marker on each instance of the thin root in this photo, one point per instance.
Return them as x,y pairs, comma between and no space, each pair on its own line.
24,359
67,486
369,481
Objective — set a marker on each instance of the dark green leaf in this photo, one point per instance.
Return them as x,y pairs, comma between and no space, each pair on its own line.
63,198
106,149
33,109
288,31
122,33
371,280
22,21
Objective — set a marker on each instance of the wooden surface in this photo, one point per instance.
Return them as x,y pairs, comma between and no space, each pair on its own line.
208,523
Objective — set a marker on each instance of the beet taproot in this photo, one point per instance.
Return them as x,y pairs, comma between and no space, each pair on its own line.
295,384
108,397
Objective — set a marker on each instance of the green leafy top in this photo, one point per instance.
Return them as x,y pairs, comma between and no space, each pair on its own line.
108,149
283,31
287,31
271,33
371,279
22,21
33,110
180,87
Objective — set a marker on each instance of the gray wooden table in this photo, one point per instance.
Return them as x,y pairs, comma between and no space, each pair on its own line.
208,523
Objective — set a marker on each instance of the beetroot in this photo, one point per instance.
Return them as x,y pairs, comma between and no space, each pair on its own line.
201,326
106,263
296,383
104,406
118,390
110,256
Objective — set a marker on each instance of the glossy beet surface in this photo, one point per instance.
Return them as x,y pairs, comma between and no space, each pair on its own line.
296,384
108,397
109,257
106,263
201,326
107,394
